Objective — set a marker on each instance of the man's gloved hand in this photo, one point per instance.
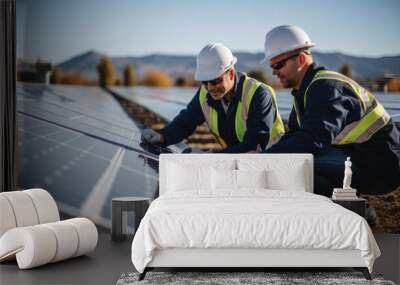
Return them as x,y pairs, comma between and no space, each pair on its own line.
151,136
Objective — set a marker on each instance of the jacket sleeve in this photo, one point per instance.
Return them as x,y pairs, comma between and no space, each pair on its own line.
259,122
184,124
323,118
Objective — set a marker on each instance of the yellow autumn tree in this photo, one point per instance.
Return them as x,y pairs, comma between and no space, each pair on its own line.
129,75
394,85
157,78
106,72
55,77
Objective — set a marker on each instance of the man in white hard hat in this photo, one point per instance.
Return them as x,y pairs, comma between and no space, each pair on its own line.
240,111
332,117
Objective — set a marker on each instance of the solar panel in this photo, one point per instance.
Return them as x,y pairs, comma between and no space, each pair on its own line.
81,146
87,109
164,103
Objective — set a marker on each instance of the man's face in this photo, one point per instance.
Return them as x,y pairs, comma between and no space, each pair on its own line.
287,70
220,86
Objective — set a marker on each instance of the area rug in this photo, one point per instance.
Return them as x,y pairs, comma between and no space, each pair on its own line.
243,278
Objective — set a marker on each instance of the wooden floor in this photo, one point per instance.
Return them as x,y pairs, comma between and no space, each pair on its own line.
111,259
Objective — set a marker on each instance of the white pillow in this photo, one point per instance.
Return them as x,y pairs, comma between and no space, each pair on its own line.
227,179
293,179
251,178
223,179
285,174
183,177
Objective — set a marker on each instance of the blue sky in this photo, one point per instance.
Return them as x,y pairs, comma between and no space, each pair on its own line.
56,30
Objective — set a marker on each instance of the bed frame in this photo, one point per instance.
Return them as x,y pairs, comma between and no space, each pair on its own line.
259,258
251,258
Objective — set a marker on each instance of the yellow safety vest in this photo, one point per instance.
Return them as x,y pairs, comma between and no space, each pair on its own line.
249,87
374,115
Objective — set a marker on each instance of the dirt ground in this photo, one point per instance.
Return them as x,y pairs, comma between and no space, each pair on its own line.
387,208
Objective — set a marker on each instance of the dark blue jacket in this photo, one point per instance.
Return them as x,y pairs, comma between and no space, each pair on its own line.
331,106
260,120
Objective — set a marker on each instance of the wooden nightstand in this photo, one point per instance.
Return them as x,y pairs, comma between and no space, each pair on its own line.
357,205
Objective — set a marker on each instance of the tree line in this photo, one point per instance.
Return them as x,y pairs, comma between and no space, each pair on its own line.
107,76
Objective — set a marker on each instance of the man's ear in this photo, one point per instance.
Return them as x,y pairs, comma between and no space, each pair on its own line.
231,73
302,58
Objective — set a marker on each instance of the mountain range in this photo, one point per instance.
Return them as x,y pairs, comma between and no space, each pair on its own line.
177,65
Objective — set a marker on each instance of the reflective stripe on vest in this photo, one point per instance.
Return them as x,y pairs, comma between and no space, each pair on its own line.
249,88
210,116
278,128
374,116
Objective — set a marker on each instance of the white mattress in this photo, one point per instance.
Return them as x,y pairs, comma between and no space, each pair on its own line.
252,218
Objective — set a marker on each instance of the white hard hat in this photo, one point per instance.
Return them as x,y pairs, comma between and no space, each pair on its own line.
212,61
284,39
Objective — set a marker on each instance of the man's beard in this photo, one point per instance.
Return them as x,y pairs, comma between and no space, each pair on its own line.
219,92
288,83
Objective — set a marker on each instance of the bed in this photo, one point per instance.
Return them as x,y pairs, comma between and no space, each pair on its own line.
247,210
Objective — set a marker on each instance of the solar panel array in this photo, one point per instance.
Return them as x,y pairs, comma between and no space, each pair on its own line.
81,146
166,103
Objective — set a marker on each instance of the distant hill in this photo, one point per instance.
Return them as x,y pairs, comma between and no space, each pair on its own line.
176,65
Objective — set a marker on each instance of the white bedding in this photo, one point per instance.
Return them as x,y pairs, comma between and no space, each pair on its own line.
251,218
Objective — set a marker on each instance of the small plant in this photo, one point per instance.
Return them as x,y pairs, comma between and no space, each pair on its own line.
345,69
